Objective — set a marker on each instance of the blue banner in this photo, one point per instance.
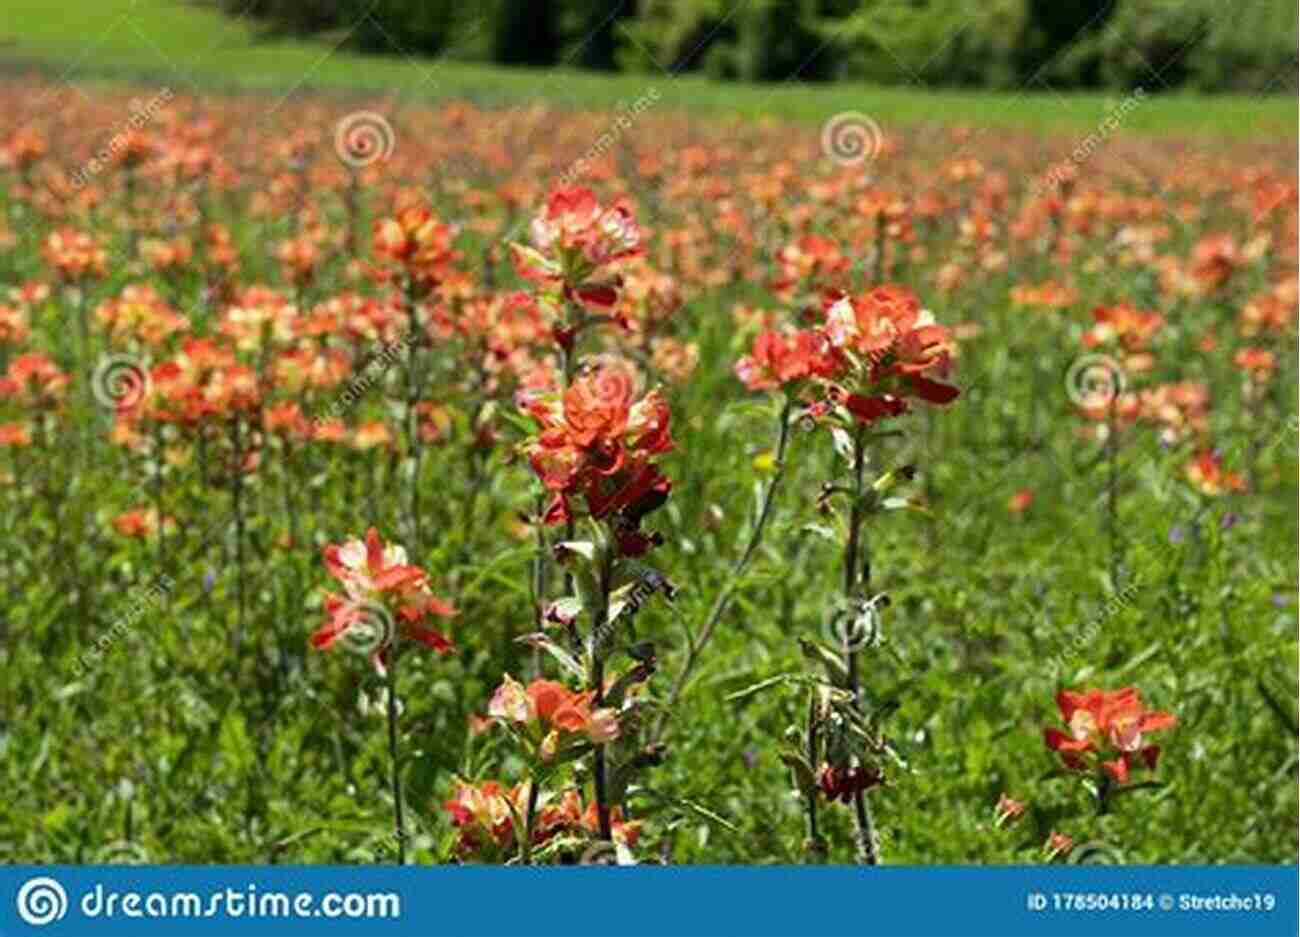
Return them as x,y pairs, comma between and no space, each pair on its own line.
649,901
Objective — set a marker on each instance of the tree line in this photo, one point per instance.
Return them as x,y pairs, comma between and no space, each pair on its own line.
1057,44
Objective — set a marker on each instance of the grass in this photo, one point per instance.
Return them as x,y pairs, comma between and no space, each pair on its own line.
176,748
200,49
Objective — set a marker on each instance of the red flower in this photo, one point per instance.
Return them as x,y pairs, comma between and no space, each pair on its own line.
1206,473
1021,501
551,711
1125,324
385,596
1007,810
574,239
841,782
1108,729
419,243
34,378
886,349
595,441
780,359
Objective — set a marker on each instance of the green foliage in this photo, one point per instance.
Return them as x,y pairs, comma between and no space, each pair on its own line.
226,54
935,43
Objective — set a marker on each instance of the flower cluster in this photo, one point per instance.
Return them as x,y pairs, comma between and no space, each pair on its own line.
34,379
599,442
1106,730
841,782
485,816
418,243
873,353
548,715
379,582
576,245
1207,474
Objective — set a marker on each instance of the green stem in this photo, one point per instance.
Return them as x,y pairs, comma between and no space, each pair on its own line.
723,601
530,812
399,827
237,485
816,848
597,684
412,418
868,851
1112,482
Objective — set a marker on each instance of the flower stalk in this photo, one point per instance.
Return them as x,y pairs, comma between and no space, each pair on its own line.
868,849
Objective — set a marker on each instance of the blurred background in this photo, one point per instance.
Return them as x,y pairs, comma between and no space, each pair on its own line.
1205,45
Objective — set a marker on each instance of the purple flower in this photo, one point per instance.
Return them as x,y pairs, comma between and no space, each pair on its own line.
209,580
1177,534
1229,521
750,758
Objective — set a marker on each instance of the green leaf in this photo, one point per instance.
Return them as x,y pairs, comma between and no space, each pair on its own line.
757,687
804,777
584,548
692,806
818,653
541,639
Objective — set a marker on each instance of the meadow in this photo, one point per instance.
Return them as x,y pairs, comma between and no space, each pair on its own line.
770,489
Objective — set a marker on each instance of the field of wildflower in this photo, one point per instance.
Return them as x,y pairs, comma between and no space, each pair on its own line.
430,484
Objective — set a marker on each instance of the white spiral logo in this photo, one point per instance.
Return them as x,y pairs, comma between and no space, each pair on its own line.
370,630
603,852
851,138
122,852
1096,854
852,624
362,138
1094,381
120,382
42,901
